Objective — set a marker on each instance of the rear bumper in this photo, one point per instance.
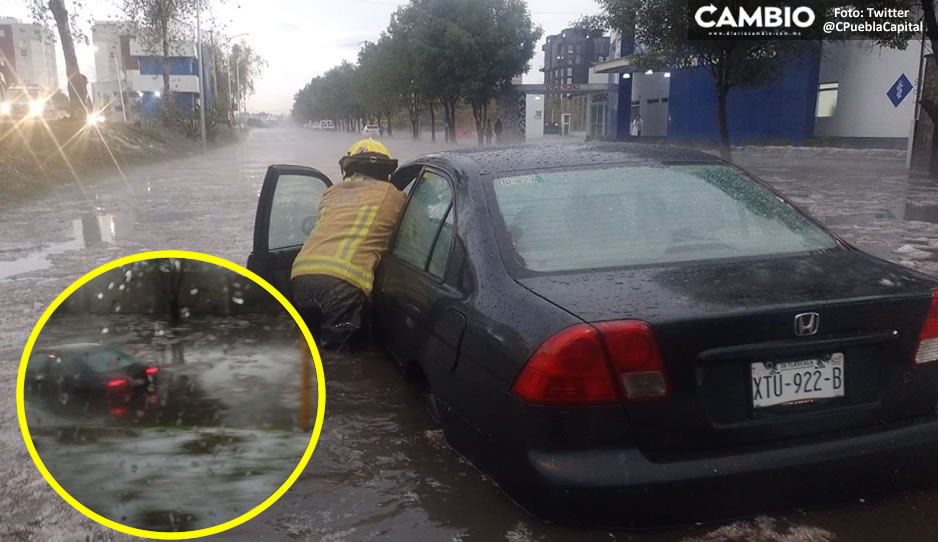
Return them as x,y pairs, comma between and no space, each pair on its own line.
622,488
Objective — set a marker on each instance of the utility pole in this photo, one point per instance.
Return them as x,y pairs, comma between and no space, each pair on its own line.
120,85
200,58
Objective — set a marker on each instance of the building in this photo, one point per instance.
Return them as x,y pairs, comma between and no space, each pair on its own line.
27,55
126,66
848,93
568,60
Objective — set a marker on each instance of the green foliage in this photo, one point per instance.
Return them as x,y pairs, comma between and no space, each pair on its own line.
433,50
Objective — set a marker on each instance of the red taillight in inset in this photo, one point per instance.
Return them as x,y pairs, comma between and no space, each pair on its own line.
116,383
928,338
635,358
152,370
569,368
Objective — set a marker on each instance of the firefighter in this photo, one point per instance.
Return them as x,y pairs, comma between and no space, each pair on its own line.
333,274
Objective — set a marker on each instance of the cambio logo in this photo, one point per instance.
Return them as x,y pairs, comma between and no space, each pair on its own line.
760,17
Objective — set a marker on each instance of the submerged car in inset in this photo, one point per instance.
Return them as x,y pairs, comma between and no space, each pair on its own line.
87,371
634,335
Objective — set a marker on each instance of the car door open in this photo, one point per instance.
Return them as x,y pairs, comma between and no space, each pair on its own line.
286,213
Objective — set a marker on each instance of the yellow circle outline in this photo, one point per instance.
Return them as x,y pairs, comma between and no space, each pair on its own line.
320,385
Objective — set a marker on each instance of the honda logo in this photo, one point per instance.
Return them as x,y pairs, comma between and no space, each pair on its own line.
807,323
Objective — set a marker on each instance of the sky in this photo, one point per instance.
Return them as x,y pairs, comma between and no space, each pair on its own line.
300,39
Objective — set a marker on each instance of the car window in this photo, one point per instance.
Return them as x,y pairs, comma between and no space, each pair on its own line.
441,249
106,360
294,210
426,213
594,218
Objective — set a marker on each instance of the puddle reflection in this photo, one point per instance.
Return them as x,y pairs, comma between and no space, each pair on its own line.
89,230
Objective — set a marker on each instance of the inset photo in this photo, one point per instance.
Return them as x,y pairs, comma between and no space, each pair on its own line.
170,395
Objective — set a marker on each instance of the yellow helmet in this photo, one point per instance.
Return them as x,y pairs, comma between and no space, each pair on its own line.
368,157
368,145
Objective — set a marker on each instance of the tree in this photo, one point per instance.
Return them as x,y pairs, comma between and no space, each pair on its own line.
162,25
467,51
69,31
382,77
247,67
417,84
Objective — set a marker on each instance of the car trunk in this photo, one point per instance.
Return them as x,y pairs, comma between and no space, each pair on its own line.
714,321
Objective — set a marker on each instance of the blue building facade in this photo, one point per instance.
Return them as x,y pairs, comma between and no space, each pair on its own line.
780,112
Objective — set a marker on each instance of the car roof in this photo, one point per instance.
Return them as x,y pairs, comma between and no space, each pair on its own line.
501,160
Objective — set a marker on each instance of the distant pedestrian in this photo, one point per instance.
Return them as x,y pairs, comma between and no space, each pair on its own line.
488,132
498,131
637,126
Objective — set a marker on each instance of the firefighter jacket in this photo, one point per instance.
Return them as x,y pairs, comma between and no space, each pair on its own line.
356,221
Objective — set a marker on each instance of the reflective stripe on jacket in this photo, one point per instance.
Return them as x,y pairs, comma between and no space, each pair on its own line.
356,220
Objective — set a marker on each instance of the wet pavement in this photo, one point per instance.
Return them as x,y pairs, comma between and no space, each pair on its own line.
382,470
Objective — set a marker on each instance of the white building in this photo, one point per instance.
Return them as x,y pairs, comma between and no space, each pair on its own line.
27,55
123,62
856,91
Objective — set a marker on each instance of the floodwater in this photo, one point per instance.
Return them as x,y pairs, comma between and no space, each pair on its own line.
210,439
381,470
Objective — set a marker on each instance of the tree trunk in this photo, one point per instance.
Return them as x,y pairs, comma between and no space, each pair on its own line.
931,30
452,120
387,114
724,126
432,123
77,84
446,120
165,98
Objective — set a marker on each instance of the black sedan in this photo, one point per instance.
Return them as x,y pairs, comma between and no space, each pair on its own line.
634,335
87,371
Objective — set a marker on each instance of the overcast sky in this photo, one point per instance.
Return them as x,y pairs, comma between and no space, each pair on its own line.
303,38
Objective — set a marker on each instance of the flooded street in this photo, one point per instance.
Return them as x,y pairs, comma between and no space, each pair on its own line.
381,470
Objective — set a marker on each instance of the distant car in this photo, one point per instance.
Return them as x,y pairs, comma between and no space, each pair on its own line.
315,125
23,103
634,335
87,369
371,130
327,125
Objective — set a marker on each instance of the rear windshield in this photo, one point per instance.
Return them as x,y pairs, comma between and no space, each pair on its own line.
625,216
107,360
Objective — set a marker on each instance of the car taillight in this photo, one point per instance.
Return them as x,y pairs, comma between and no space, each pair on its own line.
152,370
636,360
581,364
569,368
928,338
116,383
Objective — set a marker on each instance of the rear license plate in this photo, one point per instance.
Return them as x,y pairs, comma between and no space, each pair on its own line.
139,381
781,382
